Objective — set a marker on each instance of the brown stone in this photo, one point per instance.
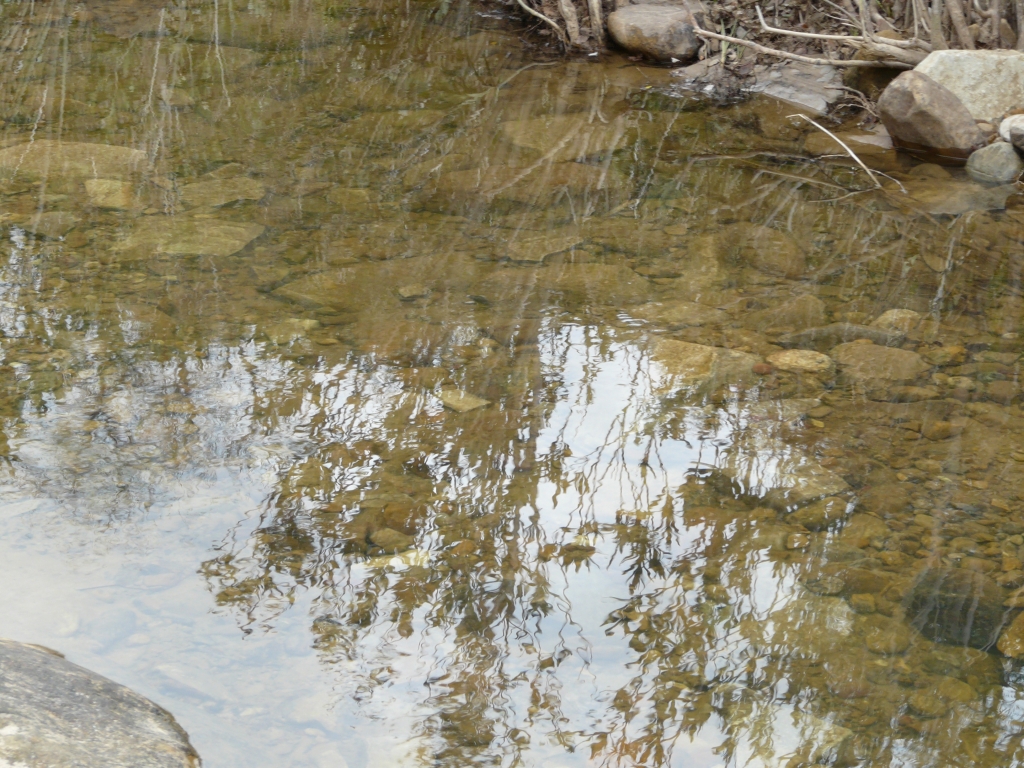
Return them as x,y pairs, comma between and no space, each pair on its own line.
819,515
956,606
1011,642
797,314
862,529
865,362
886,500
927,120
941,430
662,33
767,250
1002,391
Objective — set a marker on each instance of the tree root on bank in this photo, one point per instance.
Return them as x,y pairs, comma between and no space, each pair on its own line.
894,34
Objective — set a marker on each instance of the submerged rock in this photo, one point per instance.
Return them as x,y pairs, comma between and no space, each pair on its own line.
823,338
567,137
679,314
52,224
55,713
218,192
184,236
537,184
663,33
997,163
112,194
798,314
462,402
870,362
1011,642
803,361
72,159
956,606
820,515
988,83
683,366
535,249
926,119
953,198
767,250
902,320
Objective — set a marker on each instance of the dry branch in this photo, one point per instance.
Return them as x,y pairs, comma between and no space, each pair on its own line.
892,64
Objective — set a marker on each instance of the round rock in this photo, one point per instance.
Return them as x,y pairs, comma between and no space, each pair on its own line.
802,361
1012,130
55,713
997,163
660,32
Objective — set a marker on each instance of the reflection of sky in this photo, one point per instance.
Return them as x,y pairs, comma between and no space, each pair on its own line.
124,599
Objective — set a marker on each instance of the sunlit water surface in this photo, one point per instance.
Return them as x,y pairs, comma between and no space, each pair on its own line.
387,390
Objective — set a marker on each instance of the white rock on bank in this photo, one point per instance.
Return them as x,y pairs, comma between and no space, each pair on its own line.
1012,130
989,83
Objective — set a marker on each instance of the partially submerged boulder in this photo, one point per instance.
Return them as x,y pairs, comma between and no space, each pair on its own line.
988,83
55,713
663,33
997,163
928,120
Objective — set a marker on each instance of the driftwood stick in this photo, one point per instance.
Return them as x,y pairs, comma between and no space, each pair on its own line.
546,20
856,41
938,39
956,16
808,35
893,64
596,21
572,21
841,143
1019,6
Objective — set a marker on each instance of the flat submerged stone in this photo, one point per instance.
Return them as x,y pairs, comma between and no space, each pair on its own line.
55,713
77,160
218,192
462,402
871,362
183,236
567,137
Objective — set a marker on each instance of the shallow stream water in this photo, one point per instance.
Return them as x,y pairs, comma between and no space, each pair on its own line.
381,389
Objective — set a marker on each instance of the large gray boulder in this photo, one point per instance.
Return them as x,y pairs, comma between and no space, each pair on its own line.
55,714
988,83
997,163
926,119
660,32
